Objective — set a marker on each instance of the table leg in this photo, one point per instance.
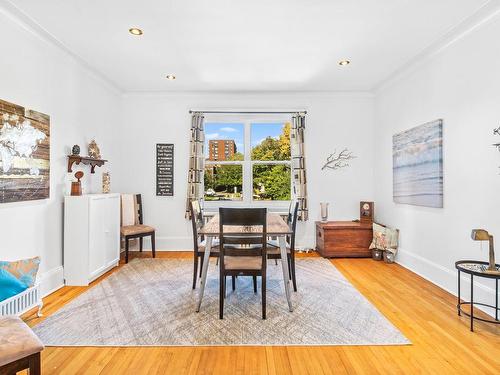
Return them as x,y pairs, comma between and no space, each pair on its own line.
472,303
284,265
206,262
496,301
458,302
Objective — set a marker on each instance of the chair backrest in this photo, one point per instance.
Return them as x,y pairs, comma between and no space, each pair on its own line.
131,209
249,228
138,199
293,223
196,221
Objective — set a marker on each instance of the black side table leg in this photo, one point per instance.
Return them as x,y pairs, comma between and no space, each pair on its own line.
472,303
496,300
458,302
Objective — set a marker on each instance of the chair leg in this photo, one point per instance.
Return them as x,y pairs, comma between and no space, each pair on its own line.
275,261
34,364
222,292
233,281
263,287
254,284
294,280
126,250
140,244
153,245
195,266
202,258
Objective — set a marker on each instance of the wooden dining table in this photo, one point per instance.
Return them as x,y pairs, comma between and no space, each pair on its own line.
276,227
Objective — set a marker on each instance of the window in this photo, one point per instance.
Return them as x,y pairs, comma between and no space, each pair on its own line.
247,161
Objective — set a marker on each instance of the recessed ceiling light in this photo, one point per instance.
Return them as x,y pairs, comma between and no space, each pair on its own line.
344,62
135,31
170,77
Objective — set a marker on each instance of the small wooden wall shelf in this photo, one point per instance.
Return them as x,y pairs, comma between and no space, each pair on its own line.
77,159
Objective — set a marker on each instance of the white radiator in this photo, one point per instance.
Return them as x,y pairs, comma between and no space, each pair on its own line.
22,302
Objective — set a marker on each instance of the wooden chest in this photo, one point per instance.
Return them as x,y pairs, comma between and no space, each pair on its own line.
343,239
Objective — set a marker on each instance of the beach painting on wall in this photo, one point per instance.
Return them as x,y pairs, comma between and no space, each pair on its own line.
417,156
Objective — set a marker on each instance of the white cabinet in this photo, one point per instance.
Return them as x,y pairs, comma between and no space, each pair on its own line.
91,236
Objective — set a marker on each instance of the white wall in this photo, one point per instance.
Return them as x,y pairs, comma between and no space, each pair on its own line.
461,85
38,75
333,121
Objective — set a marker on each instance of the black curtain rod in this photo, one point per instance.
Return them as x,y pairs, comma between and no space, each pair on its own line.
251,112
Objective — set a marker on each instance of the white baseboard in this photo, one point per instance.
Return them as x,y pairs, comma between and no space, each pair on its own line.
51,280
446,278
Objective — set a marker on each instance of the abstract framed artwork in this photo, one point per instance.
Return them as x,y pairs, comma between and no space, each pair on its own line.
24,154
417,156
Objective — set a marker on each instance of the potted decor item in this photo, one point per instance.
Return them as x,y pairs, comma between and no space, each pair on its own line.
93,150
106,182
75,150
385,243
76,186
377,254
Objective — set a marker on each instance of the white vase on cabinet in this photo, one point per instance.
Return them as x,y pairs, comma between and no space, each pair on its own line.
91,236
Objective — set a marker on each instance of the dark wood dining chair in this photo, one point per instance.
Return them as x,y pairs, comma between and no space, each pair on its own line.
273,251
242,248
197,222
138,230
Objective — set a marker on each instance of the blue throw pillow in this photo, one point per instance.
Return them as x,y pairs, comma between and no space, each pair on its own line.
9,285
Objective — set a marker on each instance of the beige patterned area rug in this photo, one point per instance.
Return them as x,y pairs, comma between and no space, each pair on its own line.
149,302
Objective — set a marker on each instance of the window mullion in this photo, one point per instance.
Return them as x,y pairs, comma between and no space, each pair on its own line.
247,166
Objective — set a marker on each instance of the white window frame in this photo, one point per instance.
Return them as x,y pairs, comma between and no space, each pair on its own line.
247,163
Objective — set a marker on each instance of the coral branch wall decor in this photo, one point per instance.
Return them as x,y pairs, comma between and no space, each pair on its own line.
338,160
24,154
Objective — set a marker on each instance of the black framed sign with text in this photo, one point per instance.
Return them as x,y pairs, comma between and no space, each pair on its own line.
164,169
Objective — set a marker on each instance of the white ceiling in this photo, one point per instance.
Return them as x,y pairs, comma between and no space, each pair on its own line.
247,45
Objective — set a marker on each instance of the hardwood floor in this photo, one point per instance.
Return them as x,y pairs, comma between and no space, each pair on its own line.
426,314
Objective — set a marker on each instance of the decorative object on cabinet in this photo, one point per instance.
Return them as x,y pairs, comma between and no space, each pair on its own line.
84,160
417,156
324,211
366,212
483,235
75,150
338,160
25,154
76,186
132,226
91,236
343,239
106,183
164,169
93,150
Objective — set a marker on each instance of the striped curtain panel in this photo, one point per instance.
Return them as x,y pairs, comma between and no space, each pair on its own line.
299,164
196,161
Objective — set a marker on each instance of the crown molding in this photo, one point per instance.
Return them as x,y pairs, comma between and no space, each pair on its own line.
221,93
17,16
484,15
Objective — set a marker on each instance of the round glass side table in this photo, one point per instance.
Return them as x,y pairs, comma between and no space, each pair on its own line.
479,269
